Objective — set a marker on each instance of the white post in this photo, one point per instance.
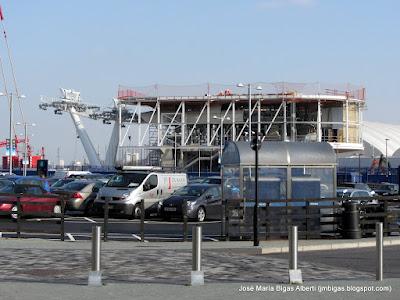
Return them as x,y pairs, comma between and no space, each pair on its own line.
233,121
319,129
295,275
95,272
183,124
259,116
379,251
197,275
249,92
119,124
347,121
284,120
139,109
159,125
208,123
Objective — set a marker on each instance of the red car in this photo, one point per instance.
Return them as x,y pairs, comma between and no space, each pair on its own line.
44,201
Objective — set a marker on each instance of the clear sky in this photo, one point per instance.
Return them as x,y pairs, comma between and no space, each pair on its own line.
93,46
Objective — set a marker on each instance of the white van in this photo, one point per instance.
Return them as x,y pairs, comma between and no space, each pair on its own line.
61,174
125,190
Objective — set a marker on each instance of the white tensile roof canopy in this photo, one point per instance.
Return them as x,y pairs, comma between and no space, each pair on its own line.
374,137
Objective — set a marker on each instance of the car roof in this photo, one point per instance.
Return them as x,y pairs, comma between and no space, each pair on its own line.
350,190
203,184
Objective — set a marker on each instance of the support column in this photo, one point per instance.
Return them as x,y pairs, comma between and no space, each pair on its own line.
249,92
208,123
259,116
159,125
183,124
284,121
119,123
85,140
347,121
319,129
233,120
293,123
360,121
139,114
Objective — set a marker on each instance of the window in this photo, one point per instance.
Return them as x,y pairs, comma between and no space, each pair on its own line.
361,194
75,186
194,191
34,190
127,180
151,183
214,192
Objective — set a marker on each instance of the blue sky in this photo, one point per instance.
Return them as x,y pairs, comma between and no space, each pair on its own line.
93,46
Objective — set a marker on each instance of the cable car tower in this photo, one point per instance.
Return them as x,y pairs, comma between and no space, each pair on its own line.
70,102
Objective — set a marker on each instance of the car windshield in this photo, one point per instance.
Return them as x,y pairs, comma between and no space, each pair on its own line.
5,183
9,189
75,186
195,191
387,187
343,194
61,182
126,180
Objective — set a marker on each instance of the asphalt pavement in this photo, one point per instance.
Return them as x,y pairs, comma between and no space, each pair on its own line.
49,269
341,290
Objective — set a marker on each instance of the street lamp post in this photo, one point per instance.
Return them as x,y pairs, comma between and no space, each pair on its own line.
222,139
359,167
10,163
10,102
256,145
25,161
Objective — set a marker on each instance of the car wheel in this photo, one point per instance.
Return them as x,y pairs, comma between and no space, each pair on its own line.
14,216
137,211
89,209
201,214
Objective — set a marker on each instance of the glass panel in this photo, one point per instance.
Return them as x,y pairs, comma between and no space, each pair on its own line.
308,180
271,183
231,183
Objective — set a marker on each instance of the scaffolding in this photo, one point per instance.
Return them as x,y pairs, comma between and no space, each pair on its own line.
184,127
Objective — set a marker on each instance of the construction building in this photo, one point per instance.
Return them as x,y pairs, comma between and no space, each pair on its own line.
186,125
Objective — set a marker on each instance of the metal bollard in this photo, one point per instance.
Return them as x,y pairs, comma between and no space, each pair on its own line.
293,248
295,275
379,251
19,216
142,214
223,221
95,273
62,224
185,220
197,275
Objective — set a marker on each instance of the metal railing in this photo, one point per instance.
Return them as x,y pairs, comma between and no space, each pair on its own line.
315,218
24,207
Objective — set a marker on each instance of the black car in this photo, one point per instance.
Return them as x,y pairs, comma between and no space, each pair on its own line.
203,201
385,188
209,180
